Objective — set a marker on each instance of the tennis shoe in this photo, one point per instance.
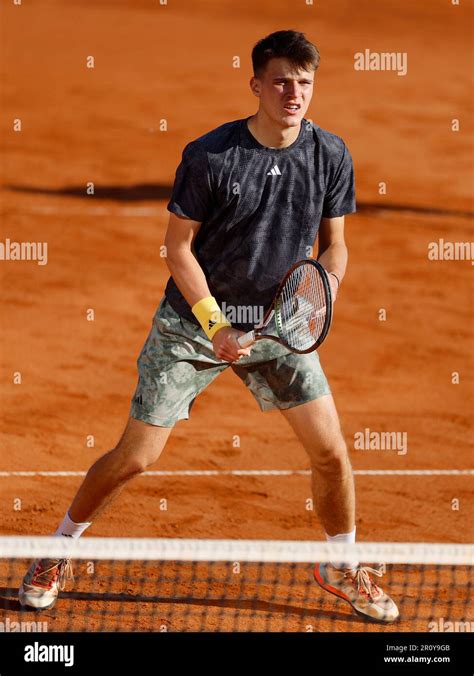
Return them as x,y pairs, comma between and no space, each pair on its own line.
356,586
43,582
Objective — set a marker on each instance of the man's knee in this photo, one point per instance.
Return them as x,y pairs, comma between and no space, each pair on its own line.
128,464
331,459
139,448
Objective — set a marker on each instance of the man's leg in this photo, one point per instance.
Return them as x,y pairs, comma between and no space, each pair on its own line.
140,446
316,425
176,363
296,385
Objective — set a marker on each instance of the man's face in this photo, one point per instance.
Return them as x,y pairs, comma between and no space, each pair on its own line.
284,93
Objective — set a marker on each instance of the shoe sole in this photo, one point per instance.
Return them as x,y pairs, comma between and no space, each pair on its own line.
332,590
25,604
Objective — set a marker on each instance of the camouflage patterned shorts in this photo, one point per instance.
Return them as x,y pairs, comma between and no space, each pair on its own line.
177,362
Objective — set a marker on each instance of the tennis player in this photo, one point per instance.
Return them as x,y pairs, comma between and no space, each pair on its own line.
249,200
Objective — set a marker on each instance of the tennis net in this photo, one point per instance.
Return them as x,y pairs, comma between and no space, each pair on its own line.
123,584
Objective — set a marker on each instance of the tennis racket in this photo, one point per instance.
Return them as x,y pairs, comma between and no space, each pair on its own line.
301,311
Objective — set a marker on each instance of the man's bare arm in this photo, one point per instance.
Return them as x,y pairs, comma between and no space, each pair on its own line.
191,281
332,249
183,265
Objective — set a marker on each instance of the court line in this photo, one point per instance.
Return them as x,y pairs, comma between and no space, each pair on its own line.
255,472
414,209
92,210
153,212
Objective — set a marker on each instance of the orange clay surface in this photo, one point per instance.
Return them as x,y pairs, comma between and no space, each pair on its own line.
102,125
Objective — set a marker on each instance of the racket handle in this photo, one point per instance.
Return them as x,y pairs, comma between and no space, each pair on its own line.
247,339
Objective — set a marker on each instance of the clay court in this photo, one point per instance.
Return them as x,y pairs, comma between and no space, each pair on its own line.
103,125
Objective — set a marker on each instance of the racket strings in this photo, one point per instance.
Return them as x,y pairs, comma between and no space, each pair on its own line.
302,308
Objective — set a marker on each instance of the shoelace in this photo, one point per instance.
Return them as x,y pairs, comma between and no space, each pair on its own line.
363,580
56,568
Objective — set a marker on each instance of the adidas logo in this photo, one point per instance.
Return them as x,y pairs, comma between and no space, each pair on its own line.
275,171
139,400
210,324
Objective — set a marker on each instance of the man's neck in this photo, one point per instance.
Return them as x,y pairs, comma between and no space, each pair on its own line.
270,135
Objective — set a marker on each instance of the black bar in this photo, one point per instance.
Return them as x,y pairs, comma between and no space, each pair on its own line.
305,653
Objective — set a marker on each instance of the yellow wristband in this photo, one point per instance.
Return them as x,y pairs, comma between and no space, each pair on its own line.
210,316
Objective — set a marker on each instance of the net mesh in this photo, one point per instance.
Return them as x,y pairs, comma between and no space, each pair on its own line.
301,312
232,585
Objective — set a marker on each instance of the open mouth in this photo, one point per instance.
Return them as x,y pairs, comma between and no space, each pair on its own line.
292,108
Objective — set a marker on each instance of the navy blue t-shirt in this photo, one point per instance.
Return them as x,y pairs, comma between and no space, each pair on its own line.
259,208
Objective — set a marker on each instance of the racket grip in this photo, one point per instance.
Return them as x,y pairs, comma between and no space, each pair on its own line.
247,339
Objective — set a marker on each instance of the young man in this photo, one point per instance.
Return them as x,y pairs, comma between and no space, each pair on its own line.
249,200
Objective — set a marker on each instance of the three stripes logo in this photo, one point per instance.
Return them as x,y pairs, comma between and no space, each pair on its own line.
275,171
210,324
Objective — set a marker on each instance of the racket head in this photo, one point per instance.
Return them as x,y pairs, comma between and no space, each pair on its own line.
303,307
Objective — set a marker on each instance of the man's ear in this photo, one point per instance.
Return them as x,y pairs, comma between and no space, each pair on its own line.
255,86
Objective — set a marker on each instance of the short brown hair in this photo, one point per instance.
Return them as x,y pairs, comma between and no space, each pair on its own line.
291,45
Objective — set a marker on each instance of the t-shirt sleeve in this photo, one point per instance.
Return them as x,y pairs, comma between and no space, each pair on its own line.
340,194
191,196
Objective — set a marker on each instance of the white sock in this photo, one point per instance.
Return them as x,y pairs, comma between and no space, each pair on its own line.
69,528
348,538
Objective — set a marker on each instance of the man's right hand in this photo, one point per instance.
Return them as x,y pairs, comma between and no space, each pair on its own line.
226,346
